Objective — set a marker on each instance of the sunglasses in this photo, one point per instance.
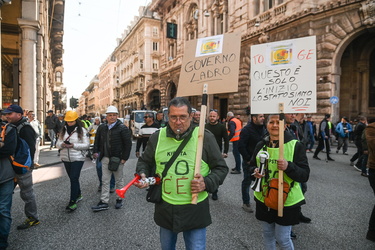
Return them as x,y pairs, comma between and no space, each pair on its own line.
213,110
147,116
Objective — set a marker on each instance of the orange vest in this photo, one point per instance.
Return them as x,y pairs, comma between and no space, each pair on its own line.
237,132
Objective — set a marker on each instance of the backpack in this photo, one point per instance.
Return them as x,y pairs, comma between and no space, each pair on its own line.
21,161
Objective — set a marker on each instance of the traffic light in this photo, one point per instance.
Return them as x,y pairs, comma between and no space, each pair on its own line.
73,102
56,98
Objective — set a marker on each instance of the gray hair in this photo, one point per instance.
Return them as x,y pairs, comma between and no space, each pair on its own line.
230,114
180,102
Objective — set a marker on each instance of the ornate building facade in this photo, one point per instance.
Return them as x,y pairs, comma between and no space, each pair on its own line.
31,55
137,64
345,46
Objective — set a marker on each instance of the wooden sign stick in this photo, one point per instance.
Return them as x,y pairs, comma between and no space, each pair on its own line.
280,204
198,157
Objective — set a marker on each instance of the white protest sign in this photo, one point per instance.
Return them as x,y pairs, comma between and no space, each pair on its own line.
284,72
212,60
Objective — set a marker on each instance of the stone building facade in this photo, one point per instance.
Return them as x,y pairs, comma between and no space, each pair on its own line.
137,64
344,31
31,55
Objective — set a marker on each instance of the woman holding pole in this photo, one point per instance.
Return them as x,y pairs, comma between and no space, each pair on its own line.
295,168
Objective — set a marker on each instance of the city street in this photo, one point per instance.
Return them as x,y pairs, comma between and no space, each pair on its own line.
339,202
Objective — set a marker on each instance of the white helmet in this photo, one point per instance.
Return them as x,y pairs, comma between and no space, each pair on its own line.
112,109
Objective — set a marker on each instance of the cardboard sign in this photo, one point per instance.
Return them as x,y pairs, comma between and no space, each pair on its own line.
284,72
212,60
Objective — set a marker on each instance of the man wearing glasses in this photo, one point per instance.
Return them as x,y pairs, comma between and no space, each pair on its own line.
175,213
145,132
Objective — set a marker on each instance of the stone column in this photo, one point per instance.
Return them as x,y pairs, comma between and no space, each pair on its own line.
28,64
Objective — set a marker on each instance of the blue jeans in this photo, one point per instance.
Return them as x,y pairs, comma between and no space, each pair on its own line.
73,169
311,142
237,156
99,171
6,194
195,239
246,182
274,232
52,136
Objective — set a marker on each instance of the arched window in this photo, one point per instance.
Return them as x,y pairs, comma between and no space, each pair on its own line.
58,76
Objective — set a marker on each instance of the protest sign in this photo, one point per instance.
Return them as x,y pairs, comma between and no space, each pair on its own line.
212,60
284,72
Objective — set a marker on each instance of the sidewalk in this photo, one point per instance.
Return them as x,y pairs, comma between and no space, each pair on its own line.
48,157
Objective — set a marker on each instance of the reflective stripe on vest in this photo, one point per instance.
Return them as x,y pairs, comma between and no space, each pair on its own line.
176,187
237,132
295,194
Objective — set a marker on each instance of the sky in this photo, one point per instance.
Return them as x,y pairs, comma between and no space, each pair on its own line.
91,28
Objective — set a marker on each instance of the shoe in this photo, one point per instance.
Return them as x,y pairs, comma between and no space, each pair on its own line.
71,206
337,151
50,148
370,235
112,190
80,197
311,151
36,165
235,172
356,168
100,207
316,157
345,153
99,188
293,235
233,169
247,208
119,203
352,163
29,222
364,174
214,196
304,219
330,159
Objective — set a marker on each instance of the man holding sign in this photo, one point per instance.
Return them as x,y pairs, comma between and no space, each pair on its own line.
175,213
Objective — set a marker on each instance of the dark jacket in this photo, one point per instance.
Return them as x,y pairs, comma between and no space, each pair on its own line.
358,131
9,148
114,142
298,170
180,218
28,134
370,138
221,134
52,123
250,135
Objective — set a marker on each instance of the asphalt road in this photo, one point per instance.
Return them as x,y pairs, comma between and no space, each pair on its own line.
339,201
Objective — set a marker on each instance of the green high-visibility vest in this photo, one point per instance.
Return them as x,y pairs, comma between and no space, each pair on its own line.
176,183
295,194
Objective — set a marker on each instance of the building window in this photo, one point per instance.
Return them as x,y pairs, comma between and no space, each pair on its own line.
58,76
155,64
155,46
155,31
141,63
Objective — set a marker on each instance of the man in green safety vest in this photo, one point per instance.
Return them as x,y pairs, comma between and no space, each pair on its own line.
176,213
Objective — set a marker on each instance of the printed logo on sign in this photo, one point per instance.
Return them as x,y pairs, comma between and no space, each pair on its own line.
210,46
281,54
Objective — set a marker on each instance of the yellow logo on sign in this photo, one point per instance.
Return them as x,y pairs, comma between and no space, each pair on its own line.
210,46
281,55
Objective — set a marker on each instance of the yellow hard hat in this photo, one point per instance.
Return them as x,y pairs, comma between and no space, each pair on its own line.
71,116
